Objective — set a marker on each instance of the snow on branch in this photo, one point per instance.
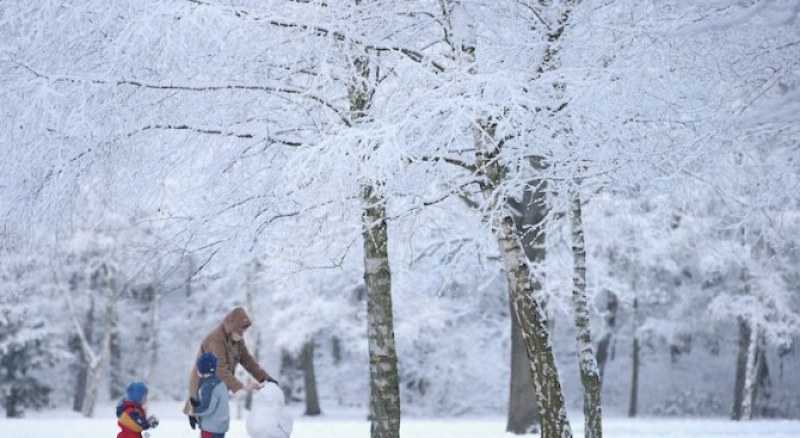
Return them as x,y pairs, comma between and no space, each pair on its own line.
338,35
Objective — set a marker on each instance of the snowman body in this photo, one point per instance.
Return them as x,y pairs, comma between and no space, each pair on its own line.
267,418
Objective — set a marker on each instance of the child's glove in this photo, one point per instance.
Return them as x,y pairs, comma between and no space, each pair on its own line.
192,422
194,402
153,421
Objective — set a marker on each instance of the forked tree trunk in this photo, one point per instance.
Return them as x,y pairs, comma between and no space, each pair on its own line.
533,325
310,380
529,219
522,288
98,361
590,376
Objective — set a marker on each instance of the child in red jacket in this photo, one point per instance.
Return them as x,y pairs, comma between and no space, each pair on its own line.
131,416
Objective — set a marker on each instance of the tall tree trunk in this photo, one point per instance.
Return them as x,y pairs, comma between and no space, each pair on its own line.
384,381
529,219
310,380
604,344
590,376
83,375
383,376
633,404
522,288
741,366
98,361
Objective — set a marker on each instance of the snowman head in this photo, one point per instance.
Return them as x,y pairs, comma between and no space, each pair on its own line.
269,397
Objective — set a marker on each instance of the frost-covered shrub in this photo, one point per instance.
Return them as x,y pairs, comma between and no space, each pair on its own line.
690,403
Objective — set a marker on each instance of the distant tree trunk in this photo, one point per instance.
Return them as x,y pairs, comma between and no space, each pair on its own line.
634,400
290,370
610,321
83,375
523,414
590,376
336,350
310,380
741,367
187,286
253,333
115,369
155,329
12,403
98,361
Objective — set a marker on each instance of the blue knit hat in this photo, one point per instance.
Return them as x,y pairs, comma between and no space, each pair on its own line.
135,392
207,363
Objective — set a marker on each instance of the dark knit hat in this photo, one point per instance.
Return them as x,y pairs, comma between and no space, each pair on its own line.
207,363
135,392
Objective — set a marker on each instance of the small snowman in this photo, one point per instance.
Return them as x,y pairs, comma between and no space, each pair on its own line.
267,418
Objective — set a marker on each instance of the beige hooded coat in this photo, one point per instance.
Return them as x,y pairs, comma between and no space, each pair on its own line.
229,354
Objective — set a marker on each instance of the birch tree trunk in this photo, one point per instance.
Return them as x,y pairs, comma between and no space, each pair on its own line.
529,218
741,369
310,380
522,288
590,376
383,376
750,374
384,382
98,361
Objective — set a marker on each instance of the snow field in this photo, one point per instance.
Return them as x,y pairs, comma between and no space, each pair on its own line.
349,424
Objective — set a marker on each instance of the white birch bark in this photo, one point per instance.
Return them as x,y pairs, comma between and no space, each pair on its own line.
750,376
522,290
97,361
590,375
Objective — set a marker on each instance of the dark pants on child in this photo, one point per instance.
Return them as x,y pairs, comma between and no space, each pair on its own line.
205,434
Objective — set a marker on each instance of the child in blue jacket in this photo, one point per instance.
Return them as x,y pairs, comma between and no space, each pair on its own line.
212,409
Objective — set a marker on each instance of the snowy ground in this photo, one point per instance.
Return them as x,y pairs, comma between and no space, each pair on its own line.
348,424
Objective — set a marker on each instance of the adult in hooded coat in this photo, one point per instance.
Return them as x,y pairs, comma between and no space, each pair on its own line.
227,344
